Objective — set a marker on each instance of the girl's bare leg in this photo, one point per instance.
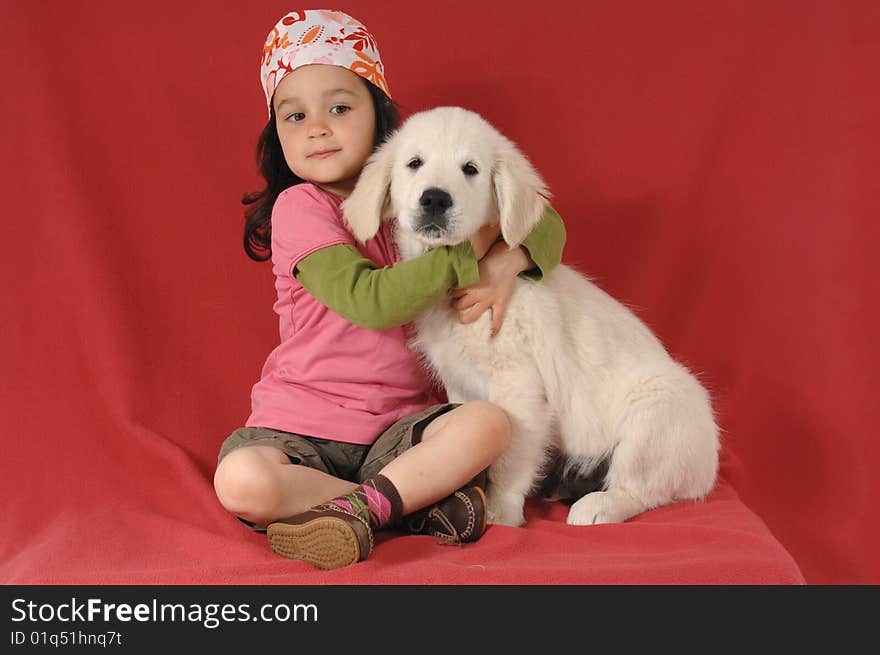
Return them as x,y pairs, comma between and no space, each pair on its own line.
454,448
259,484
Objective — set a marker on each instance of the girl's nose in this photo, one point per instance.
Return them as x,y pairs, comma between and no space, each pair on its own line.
318,128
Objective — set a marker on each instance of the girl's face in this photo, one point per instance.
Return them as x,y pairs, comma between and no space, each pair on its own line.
326,124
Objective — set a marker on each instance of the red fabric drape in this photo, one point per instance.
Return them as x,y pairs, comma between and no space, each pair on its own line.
716,166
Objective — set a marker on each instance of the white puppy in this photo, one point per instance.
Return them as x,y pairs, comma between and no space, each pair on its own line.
573,368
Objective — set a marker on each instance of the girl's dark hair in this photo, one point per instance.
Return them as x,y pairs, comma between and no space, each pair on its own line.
278,176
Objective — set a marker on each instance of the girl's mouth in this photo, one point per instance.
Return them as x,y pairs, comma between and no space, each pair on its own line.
322,154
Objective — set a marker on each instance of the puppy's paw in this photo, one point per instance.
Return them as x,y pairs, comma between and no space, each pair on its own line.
603,507
505,509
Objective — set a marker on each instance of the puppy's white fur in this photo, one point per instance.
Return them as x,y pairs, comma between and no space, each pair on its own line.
572,367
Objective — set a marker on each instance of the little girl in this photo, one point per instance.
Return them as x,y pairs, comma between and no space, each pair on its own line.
347,434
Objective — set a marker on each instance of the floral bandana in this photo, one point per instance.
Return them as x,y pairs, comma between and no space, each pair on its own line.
319,36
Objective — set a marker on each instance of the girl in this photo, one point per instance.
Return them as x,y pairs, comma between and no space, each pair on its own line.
347,434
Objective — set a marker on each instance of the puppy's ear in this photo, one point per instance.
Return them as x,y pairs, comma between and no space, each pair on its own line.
370,200
520,192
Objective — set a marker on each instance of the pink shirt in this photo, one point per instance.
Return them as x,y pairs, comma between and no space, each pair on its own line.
329,378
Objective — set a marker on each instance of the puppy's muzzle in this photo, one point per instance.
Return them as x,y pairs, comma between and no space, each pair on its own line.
434,205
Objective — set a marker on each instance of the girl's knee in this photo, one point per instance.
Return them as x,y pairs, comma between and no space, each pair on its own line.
245,486
494,422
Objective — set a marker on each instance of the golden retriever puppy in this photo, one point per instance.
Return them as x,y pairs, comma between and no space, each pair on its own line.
575,370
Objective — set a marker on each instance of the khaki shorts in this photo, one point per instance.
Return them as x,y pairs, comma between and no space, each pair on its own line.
349,461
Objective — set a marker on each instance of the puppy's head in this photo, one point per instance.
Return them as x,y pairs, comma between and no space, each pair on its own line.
444,174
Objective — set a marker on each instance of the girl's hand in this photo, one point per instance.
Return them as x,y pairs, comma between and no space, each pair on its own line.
498,271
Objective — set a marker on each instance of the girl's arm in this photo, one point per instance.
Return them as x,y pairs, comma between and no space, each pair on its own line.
351,285
544,245
341,278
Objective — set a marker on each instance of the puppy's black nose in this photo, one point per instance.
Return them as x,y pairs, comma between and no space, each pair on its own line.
435,201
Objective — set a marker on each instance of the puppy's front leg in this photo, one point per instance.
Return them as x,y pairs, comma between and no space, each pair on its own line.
512,476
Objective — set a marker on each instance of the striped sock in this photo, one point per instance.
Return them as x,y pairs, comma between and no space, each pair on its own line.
375,502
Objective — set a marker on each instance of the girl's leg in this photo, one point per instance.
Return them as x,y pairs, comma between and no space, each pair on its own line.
259,484
454,448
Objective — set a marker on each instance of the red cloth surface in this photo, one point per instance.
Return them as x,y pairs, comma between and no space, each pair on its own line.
716,165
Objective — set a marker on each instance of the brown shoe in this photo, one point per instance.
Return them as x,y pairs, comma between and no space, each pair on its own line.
456,519
324,536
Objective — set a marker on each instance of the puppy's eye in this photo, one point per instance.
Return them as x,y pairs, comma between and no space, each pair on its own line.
469,169
415,163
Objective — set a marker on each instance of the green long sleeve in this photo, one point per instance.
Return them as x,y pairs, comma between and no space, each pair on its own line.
545,244
341,278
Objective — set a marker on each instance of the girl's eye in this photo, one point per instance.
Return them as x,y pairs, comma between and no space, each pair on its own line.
297,117
415,163
343,109
469,169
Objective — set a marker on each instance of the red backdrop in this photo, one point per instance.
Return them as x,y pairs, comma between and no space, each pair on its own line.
715,163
